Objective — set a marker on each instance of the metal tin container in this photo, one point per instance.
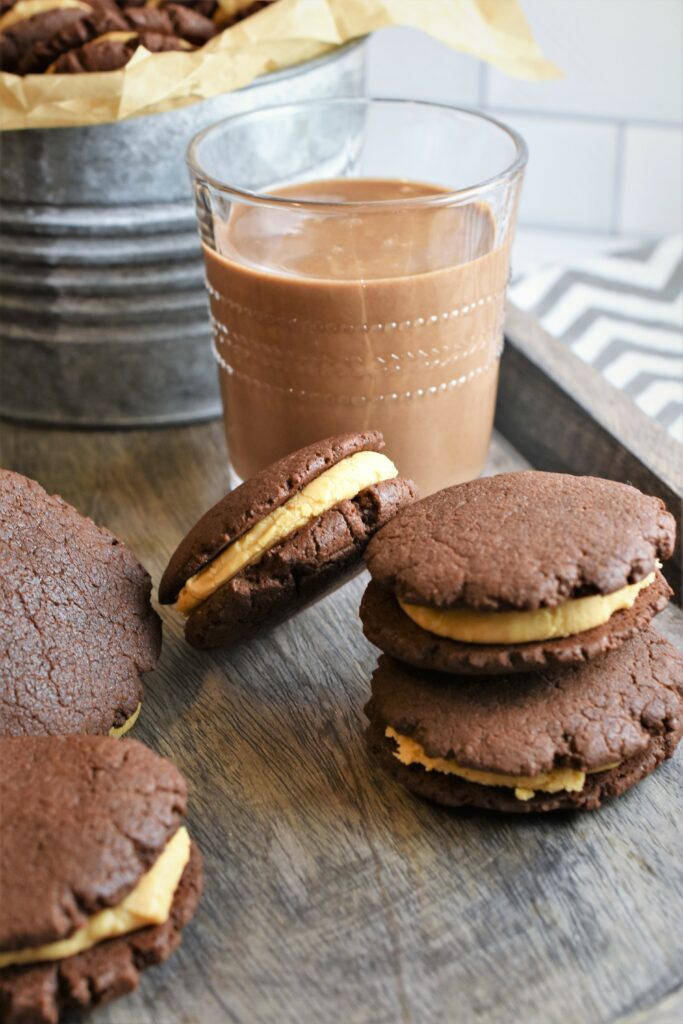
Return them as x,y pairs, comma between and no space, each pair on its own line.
103,313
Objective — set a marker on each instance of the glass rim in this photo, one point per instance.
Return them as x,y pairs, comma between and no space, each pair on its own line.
447,198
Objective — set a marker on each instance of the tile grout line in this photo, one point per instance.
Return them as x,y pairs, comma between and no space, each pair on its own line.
560,115
544,227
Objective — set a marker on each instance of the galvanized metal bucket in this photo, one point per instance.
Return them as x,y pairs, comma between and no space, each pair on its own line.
103,314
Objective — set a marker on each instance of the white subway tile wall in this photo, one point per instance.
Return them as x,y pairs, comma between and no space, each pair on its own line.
570,176
606,141
411,65
621,58
651,197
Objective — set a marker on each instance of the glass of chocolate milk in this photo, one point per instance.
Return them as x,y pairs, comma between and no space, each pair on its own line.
357,253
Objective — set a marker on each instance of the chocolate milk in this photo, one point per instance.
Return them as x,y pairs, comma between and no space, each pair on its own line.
383,317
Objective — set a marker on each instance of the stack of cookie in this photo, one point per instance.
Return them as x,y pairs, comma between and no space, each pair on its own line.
520,670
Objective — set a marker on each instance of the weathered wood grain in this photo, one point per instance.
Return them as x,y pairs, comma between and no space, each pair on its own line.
332,895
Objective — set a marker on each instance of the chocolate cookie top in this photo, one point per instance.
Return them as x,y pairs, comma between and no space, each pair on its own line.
83,818
583,717
242,508
521,540
78,627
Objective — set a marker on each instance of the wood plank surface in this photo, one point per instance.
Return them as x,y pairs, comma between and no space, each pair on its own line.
331,894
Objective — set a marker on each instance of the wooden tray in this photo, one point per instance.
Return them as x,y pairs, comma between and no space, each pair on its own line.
331,894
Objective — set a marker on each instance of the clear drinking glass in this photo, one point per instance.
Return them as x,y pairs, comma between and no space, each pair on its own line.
357,254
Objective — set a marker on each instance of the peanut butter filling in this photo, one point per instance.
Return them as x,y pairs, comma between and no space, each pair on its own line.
569,780
514,627
342,482
118,731
149,903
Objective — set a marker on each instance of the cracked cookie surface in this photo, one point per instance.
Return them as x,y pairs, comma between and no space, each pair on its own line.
75,844
300,567
584,717
83,818
236,513
521,541
41,993
78,626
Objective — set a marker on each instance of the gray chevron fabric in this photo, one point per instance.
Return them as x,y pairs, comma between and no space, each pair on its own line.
623,314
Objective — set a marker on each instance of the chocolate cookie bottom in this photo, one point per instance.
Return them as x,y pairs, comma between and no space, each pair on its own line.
452,791
297,571
40,993
389,628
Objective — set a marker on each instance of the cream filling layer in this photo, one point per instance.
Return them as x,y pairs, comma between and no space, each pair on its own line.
512,627
118,731
149,903
569,780
28,8
338,483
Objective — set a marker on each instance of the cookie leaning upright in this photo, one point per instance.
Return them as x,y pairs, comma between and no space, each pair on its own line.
517,572
283,538
98,875
78,626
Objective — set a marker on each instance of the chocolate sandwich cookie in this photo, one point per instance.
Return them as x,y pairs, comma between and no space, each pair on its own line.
283,538
73,36
98,21
172,20
27,27
78,627
98,875
112,34
113,51
518,571
93,35
530,742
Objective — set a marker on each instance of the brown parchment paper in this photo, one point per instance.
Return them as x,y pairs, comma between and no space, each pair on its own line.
286,33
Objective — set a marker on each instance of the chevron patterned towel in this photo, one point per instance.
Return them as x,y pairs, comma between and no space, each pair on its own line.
623,314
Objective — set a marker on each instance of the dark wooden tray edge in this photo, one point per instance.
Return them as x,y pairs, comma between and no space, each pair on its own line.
562,415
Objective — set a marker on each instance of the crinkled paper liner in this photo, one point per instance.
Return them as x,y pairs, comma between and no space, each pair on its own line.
286,33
